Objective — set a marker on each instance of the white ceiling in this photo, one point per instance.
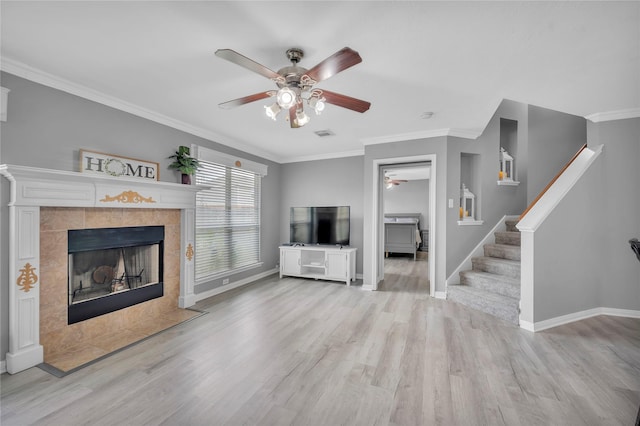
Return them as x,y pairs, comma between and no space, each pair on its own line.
455,59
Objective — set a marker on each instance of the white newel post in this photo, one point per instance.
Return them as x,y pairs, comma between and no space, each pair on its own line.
24,289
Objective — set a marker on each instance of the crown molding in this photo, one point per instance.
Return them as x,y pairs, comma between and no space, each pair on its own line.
459,133
328,156
621,114
38,76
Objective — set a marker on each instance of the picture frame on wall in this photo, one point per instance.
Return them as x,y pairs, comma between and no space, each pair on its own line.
94,162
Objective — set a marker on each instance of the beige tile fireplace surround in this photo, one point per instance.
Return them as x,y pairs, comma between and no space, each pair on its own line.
44,205
69,346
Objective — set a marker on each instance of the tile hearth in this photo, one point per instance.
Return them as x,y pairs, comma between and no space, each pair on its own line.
97,347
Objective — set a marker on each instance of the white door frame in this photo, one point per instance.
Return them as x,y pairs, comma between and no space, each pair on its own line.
378,225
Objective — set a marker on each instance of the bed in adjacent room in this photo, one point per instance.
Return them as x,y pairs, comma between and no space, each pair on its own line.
402,233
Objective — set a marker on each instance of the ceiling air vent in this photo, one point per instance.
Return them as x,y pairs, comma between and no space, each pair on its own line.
324,133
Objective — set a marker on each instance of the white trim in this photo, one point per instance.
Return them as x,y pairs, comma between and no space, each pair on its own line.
378,224
526,325
508,183
217,157
3,107
577,316
440,295
470,222
550,199
231,286
33,74
426,134
621,114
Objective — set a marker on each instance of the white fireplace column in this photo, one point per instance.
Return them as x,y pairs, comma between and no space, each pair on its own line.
32,188
25,350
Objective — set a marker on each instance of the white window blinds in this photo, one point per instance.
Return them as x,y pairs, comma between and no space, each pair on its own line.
227,220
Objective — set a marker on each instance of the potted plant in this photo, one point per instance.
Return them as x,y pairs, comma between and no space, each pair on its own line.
184,163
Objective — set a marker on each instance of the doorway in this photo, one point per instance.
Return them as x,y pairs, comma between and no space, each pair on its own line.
379,185
405,208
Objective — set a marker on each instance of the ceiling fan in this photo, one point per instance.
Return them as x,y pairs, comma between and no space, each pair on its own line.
390,183
296,84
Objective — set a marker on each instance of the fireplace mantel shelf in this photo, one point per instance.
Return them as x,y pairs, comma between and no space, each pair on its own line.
45,187
33,188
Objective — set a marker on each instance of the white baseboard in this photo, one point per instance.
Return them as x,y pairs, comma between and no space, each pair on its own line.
440,295
231,286
3,367
577,316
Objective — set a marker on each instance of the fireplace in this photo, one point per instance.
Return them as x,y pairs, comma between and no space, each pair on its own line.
45,205
113,268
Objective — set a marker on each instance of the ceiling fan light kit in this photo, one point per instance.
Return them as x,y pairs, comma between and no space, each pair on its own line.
296,85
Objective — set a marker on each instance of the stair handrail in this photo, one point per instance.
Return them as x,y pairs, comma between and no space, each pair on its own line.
546,188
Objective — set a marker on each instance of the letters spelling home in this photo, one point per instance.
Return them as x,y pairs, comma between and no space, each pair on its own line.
117,166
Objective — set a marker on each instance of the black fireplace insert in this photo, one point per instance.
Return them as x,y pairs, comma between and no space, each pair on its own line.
113,268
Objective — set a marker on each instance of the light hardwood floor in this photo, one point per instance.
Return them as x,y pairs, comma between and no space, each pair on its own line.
307,352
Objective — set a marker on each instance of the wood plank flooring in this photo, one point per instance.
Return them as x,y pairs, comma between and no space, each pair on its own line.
306,352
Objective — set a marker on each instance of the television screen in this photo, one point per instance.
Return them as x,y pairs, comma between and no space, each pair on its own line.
320,225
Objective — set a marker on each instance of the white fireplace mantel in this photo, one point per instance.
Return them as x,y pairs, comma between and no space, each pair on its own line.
32,188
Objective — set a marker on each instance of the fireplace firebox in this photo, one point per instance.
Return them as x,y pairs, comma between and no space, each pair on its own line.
113,268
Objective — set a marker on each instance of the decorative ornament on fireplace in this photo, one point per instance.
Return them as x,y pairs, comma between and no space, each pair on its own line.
128,197
27,278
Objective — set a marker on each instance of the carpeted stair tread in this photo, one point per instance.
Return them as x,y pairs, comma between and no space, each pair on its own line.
495,304
502,251
507,237
511,225
500,284
510,268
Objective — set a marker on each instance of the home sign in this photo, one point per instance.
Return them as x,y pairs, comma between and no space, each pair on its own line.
117,166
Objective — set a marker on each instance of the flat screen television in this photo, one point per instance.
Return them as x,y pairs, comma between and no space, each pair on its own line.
320,225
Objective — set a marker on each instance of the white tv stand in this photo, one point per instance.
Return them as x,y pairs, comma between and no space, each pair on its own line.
333,263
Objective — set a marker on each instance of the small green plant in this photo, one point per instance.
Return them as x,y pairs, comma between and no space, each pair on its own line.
183,162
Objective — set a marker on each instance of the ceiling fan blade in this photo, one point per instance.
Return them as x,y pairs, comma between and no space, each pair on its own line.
247,99
345,101
339,61
243,61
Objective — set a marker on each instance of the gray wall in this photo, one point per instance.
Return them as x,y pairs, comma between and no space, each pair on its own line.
568,252
47,127
492,201
409,197
335,182
553,139
581,251
618,194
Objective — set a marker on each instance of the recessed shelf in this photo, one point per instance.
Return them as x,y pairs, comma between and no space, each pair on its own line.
508,183
470,222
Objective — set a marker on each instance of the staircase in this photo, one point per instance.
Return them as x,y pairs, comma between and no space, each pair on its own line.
493,284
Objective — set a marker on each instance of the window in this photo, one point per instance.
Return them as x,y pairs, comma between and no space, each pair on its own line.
227,220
